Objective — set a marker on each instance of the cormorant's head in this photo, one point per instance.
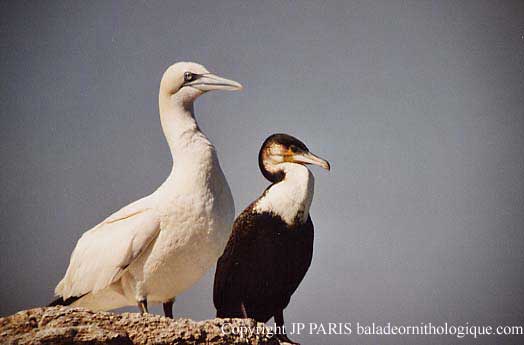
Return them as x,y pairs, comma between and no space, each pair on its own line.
280,148
189,80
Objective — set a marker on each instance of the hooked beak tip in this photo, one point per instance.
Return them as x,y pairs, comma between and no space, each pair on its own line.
238,86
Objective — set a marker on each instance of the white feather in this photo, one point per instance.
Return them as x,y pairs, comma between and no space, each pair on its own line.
103,252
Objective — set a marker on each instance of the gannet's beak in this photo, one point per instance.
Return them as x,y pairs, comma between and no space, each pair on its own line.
209,81
309,158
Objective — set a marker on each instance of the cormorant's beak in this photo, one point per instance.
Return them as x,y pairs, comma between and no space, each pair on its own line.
309,158
209,81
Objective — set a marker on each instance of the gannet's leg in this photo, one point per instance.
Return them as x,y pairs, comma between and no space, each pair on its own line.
142,306
281,334
168,308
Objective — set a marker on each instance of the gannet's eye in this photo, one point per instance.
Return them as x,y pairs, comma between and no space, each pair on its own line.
188,76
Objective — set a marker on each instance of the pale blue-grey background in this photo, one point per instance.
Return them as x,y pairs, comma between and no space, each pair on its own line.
419,106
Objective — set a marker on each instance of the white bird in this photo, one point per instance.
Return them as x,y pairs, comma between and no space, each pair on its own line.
159,246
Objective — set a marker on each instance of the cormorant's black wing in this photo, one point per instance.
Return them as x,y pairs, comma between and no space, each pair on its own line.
299,256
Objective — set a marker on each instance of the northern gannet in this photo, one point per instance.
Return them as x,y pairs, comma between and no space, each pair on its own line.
271,245
159,246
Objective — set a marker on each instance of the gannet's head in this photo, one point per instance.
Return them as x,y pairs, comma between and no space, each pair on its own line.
188,80
279,149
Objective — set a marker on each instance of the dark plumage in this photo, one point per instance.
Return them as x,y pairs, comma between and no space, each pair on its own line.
262,265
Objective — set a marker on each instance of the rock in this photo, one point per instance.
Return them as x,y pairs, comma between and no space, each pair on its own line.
64,325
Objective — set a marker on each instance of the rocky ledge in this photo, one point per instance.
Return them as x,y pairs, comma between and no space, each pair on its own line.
63,325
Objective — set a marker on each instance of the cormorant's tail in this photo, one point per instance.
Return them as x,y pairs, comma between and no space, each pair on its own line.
67,301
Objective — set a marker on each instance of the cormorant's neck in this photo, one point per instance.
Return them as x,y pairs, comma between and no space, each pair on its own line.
291,197
295,173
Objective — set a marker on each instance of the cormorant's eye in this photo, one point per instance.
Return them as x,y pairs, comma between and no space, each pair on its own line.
293,148
188,76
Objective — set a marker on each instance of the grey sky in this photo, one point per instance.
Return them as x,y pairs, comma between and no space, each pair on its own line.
418,105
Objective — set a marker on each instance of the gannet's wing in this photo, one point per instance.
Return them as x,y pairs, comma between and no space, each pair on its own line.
103,253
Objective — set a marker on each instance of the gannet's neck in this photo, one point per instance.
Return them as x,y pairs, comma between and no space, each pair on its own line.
179,124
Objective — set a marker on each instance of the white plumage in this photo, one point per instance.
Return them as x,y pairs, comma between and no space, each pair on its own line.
159,246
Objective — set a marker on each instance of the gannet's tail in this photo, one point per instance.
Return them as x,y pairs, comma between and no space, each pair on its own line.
67,301
105,299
